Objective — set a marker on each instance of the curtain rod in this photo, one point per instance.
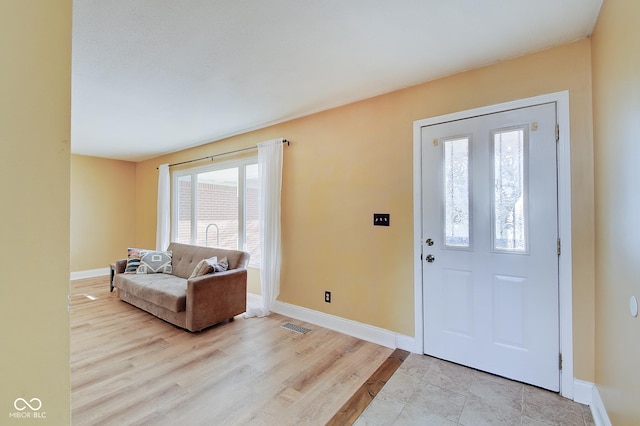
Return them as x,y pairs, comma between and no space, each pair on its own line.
218,155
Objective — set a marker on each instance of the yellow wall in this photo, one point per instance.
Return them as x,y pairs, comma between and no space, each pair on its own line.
347,163
616,94
35,88
103,199
253,281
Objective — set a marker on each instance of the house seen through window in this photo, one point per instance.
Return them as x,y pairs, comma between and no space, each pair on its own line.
217,206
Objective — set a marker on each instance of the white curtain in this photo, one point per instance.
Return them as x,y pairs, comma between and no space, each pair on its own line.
163,229
270,171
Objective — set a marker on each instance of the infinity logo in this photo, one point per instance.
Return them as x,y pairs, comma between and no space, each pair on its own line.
21,404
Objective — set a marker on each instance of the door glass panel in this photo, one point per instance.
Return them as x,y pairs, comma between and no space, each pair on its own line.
184,210
456,193
509,194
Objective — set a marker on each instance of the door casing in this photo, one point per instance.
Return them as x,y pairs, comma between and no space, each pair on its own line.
564,221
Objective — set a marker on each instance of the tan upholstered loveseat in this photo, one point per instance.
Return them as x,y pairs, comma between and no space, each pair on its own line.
190,303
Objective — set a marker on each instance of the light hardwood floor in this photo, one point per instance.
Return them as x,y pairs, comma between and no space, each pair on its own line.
131,368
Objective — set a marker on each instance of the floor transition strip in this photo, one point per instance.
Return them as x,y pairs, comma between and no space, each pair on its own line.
351,410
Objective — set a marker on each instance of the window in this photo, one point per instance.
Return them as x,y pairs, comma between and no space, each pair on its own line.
217,206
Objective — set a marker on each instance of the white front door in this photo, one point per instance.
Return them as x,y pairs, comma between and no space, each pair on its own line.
490,244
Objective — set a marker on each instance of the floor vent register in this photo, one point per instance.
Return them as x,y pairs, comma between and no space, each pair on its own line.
296,328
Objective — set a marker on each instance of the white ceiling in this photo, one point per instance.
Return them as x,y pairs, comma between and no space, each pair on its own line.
156,76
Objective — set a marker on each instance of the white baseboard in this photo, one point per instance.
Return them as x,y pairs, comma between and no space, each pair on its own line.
587,393
360,330
406,343
583,392
600,416
78,275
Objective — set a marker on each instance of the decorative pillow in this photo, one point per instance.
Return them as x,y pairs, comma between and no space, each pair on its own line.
203,268
133,260
155,262
219,265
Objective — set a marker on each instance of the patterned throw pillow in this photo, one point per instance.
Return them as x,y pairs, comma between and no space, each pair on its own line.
133,260
203,268
155,262
219,265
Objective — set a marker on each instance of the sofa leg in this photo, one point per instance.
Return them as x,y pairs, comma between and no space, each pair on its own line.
112,272
232,319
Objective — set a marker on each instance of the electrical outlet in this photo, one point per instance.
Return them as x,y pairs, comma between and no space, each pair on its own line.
381,219
327,296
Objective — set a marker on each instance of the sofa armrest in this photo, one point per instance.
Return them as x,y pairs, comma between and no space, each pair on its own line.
120,266
215,297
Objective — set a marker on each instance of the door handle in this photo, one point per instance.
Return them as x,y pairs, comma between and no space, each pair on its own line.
430,258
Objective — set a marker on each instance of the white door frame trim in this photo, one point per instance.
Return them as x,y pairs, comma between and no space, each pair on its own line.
564,221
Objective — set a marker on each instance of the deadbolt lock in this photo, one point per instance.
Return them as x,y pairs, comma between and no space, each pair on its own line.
429,242
430,258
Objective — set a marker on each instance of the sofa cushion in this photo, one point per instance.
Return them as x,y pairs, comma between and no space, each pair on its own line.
154,262
186,257
164,290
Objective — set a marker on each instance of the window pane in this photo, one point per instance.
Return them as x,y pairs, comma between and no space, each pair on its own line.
252,205
509,213
217,208
456,193
183,234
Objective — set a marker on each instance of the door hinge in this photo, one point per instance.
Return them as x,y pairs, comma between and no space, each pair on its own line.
560,361
559,246
557,132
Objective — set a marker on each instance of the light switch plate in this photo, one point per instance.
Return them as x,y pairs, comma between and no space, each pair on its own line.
381,219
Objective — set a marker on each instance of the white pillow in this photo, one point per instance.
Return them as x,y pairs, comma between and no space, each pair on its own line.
220,265
202,268
212,260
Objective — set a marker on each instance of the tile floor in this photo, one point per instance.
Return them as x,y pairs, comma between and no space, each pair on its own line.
429,391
